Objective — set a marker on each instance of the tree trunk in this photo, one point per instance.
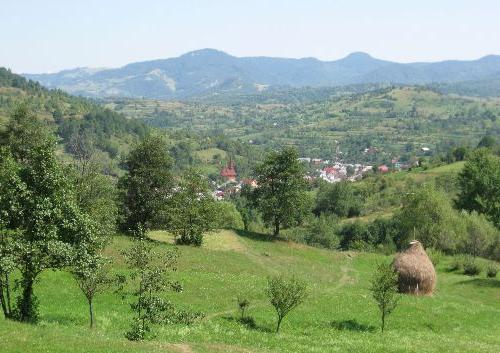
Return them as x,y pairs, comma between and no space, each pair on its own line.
276,228
27,307
2,301
383,321
7,293
279,324
91,313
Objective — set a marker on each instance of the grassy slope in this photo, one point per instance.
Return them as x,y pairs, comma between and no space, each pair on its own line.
461,317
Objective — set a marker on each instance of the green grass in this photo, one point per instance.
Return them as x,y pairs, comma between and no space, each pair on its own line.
339,316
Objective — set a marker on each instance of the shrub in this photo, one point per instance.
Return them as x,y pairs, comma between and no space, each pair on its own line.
456,263
243,304
285,295
322,232
435,255
471,268
384,288
491,271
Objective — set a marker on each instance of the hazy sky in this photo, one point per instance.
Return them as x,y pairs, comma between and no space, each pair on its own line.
50,35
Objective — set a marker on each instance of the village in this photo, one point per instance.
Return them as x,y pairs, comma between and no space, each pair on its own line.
319,169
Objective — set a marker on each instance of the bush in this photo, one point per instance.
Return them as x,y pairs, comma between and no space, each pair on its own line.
435,256
471,268
491,271
228,215
285,295
322,232
243,304
456,263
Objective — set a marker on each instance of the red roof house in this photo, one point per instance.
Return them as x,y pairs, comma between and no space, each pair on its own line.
229,171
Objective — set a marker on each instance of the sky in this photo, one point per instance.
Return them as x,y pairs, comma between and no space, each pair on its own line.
52,35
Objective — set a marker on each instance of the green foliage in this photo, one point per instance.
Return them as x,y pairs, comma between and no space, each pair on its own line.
427,215
491,271
479,184
243,305
434,255
228,215
384,288
471,267
339,199
46,217
322,232
285,294
91,273
193,211
480,235
147,186
150,277
281,196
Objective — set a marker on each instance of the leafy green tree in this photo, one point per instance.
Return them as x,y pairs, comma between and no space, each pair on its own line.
96,193
487,141
427,215
193,211
7,265
285,295
46,218
384,288
322,231
151,279
90,272
281,193
229,217
479,184
147,186
480,235
339,199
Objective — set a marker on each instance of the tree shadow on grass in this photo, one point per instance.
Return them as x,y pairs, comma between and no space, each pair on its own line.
248,322
482,282
254,235
351,325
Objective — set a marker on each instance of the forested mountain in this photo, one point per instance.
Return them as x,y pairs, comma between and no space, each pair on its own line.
211,72
72,118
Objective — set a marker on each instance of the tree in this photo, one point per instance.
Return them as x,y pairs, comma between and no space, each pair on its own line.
7,265
285,295
96,193
150,277
193,210
480,235
427,214
147,186
339,199
384,288
11,187
479,184
487,141
281,193
91,274
47,220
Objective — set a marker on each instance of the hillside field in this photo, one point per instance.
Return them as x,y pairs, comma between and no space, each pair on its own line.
339,316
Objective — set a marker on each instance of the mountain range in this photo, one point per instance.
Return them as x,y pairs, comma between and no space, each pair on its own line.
209,71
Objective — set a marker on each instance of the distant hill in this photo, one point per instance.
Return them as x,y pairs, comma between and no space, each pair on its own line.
212,72
110,132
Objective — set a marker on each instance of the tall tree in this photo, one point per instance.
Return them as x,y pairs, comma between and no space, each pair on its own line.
479,184
281,193
147,186
46,218
193,210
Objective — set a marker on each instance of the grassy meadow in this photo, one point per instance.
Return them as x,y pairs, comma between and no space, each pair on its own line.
338,316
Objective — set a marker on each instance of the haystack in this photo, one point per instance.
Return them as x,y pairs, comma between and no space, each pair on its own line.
416,273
